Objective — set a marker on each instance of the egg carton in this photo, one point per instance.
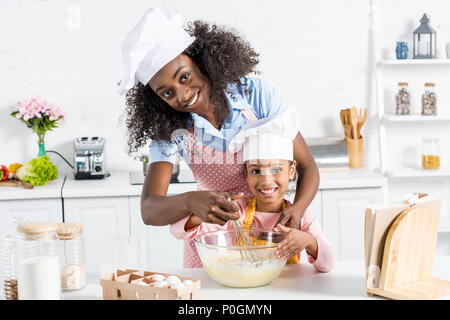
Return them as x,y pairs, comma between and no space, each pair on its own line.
128,285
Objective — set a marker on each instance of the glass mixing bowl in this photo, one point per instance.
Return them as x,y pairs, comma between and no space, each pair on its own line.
230,264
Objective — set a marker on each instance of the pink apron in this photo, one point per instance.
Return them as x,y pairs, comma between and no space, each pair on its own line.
214,171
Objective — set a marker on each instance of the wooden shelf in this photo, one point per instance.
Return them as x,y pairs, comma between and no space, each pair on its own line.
418,173
415,62
415,118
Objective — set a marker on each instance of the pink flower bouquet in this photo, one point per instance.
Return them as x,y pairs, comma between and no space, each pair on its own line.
39,115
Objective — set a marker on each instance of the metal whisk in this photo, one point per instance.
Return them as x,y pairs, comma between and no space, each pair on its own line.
245,254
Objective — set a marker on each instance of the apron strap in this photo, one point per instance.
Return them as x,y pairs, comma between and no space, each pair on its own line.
248,220
249,114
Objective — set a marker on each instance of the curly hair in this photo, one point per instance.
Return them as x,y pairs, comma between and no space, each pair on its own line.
221,55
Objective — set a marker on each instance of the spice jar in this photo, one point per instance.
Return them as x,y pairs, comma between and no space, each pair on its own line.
38,266
8,260
429,100
403,99
430,154
73,268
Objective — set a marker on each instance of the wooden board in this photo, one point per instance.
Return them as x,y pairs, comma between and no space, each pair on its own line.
426,289
16,183
408,257
377,221
410,246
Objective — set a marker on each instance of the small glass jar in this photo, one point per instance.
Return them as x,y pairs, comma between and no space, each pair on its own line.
8,260
403,99
73,266
38,266
429,100
430,154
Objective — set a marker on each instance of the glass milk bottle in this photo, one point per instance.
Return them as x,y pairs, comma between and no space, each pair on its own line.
38,266
73,267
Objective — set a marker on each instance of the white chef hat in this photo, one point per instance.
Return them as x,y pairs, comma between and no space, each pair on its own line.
267,138
156,39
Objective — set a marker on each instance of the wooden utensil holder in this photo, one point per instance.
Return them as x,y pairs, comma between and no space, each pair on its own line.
355,149
123,286
408,257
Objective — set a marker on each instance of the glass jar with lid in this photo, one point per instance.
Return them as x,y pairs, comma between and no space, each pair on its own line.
429,100
8,260
403,99
430,153
38,266
73,268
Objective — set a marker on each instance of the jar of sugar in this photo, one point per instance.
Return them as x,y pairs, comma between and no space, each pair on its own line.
73,268
38,266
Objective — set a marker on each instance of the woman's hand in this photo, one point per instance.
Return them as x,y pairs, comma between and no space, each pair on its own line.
294,242
211,206
291,217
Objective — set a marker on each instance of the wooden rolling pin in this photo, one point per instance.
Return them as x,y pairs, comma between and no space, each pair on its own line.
16,183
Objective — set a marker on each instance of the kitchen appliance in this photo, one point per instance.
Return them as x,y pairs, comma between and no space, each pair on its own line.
178,176
144,158
330,153
89,158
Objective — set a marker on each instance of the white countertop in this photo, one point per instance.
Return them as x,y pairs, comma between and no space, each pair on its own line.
296,282
351,178
118,184
49,191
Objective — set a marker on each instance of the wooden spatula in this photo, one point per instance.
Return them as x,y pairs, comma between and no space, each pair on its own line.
345,119
341,113
354,121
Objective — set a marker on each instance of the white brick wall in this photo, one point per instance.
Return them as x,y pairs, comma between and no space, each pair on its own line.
314,52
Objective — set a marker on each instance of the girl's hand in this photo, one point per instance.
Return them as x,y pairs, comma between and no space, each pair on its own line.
211,206
294,242
291,217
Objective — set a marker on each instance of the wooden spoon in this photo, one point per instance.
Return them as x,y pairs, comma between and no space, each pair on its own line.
354,121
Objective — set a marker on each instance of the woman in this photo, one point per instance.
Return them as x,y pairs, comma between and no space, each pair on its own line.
194,82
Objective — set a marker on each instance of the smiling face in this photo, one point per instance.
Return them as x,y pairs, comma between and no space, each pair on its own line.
182,85
268,181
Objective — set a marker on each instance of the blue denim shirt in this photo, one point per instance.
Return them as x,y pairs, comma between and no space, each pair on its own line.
263,100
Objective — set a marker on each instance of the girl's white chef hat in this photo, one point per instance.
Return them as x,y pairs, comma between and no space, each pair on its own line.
156,39
267,138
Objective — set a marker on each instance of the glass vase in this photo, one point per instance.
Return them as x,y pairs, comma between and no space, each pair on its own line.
42,151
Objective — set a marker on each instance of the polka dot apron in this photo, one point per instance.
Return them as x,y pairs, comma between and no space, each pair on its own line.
214,171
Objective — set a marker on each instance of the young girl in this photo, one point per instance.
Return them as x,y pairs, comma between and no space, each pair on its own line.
265,147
